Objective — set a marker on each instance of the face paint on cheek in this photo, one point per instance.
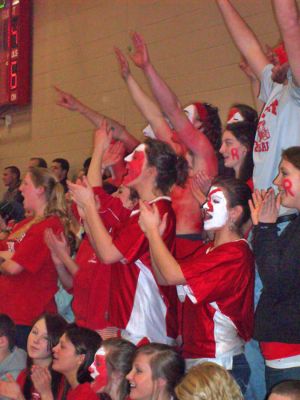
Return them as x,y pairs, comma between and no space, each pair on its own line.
235,154
99,371
134,167
216,209
287,185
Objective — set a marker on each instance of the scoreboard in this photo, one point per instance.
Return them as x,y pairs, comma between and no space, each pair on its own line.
15,52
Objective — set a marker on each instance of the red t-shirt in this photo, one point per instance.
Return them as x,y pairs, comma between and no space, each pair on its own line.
21,381
221,284
82,392
30,293
91,288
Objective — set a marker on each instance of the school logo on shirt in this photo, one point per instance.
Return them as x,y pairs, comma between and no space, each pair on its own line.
263,133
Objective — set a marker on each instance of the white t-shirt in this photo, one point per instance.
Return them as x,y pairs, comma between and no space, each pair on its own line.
278,128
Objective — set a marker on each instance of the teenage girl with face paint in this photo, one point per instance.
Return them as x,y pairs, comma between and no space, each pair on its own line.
277,256
44,335
112,362
156,370
141,309
216,283
237,148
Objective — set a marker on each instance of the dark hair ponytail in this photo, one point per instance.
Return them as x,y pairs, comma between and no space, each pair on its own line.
171,169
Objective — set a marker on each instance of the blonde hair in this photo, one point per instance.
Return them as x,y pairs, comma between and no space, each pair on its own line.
54,193
208,381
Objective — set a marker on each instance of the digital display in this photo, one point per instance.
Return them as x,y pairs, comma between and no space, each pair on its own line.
15,51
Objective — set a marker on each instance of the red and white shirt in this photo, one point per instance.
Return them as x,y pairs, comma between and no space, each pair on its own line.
142,309
218,307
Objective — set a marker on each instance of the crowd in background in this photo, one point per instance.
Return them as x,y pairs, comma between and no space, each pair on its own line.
169,268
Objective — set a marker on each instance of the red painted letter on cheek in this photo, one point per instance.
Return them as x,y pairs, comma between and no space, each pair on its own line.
287,185
235,154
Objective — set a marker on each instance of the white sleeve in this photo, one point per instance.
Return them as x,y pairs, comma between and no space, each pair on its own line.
294,90
266,83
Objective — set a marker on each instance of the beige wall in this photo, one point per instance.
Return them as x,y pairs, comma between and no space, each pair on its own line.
72,48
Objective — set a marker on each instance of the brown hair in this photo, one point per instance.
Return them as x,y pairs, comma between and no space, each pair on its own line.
165,362
292,155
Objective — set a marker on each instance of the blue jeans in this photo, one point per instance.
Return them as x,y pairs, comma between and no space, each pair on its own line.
274,375
241,371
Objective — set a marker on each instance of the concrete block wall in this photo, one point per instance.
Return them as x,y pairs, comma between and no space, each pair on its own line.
73,48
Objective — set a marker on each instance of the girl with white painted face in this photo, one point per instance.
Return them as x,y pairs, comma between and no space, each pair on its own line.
277,257
216,283
156,370
140,308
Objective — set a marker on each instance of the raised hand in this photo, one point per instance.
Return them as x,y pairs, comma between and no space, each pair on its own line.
123,63
200,185
113,154
140,56
67,100
149,219
57,245
269,210
41,379
82,194
103,136
255,205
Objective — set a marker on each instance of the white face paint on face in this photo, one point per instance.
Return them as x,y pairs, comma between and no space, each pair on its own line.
216,213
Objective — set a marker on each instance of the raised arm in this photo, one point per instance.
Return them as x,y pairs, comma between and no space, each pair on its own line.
102,242
243,37
191,137
145,104
71,103
102,139
287,14
161,91
166,268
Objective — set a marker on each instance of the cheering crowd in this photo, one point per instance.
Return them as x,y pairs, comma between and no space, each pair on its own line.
170,267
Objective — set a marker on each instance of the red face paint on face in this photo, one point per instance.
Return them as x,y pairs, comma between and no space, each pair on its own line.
134,167
98,370
210,207
235,153
287,185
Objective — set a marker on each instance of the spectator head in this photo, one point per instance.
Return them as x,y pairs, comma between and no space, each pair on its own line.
286,390
7,333
162,369
60,167
278,57
205,117
208,381
11,176
37,162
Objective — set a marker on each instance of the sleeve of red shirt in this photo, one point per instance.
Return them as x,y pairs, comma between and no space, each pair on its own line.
32,251
130,239
212,276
